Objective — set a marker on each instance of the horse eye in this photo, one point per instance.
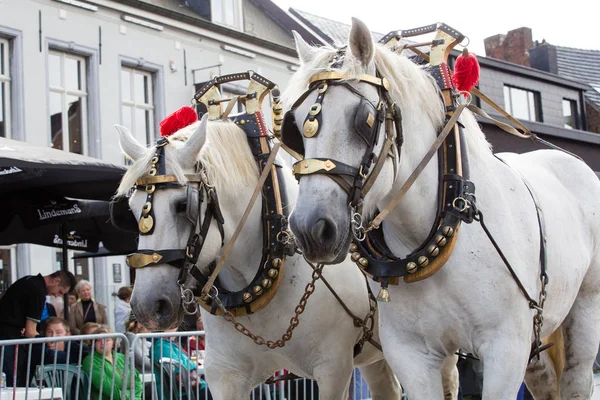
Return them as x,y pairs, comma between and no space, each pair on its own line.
181,207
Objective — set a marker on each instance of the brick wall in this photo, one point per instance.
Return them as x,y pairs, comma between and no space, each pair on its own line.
593,118
511,47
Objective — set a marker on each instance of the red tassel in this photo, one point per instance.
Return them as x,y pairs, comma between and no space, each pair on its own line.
181,118
466,71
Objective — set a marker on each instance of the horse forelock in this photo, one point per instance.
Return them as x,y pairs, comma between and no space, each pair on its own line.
412,88
225,157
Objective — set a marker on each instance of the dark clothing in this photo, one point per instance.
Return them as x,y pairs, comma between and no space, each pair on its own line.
42,355
23,300
89,315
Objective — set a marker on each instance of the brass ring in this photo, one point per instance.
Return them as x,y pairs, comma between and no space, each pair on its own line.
315,109
322,88
468,95
465,204
152,171
150,189
147,207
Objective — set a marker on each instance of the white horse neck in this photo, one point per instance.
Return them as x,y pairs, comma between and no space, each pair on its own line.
244,260
410,222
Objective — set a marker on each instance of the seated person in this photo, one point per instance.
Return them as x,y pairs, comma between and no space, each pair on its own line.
57,352
142,360
88,329
164,348
106,370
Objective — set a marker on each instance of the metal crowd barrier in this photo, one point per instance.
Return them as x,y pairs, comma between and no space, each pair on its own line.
36,372
167,366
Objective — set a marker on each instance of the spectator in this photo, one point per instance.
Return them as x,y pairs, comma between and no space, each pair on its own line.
59,305
21,309
197,342
87,329
142,346
48,312
122,308
86,310
72,298
165,348
57,352
106,370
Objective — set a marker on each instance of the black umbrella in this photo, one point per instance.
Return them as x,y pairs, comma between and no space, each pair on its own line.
29,172
40,220
24,166
102,252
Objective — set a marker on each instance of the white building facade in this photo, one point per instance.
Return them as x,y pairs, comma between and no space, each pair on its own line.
70,70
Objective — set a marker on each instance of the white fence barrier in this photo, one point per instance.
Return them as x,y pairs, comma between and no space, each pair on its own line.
153,366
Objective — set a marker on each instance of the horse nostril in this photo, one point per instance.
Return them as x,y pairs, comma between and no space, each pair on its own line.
323,231
163,307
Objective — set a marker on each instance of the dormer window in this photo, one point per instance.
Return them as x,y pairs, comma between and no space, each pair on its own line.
227,12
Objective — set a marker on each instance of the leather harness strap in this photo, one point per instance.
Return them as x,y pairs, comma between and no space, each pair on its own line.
263,177
376,223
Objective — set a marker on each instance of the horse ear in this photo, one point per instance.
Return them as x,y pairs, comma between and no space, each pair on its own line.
189,152
129,145
361,42
305,50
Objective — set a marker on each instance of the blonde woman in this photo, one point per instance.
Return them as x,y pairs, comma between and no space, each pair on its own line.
86,309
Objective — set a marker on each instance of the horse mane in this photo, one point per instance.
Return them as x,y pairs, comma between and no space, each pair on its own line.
226,158
412,88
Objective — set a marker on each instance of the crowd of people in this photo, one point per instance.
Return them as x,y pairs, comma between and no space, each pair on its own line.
30,309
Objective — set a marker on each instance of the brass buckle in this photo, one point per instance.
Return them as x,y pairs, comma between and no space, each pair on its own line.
310,166
139,260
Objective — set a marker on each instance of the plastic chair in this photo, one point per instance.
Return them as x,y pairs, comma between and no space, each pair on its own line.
64,376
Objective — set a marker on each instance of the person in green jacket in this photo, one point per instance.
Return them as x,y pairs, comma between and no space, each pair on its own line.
105,368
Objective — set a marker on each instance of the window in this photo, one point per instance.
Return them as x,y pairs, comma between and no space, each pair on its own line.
4,89
8,267
137,104
227,12
68,102
79,267
522,103
571,120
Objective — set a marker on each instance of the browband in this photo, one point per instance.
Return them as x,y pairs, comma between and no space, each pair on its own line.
334,75
152,180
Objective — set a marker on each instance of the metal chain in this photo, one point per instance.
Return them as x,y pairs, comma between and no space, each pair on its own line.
294,321
368,324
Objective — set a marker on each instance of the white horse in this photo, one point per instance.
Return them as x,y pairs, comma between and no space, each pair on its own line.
472,303
322,345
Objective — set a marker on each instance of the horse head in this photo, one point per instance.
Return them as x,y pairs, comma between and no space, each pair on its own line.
171,197
344,101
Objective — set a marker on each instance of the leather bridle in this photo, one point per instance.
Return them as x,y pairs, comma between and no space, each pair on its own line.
355,181
197,189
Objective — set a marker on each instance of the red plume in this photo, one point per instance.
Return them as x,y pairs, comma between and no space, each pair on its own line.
179,119
466,71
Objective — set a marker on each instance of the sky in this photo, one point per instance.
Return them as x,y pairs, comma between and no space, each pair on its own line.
570,23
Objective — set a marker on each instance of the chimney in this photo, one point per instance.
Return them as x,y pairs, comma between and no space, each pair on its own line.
512,47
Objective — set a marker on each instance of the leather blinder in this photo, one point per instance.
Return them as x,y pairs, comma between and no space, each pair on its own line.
121,216
290,134
366,121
